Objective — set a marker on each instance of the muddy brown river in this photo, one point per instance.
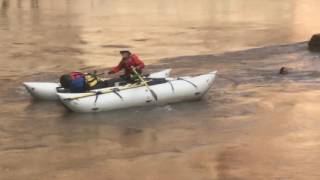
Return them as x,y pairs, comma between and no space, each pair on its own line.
253,124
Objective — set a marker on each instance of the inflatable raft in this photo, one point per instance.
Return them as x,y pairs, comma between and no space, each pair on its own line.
169,90
48,90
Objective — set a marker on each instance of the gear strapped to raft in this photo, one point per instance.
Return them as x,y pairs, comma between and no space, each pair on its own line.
116,90
79,82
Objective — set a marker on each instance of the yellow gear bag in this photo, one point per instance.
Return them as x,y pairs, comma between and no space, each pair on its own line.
91,80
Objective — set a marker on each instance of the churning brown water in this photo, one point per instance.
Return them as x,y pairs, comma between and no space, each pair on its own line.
253,124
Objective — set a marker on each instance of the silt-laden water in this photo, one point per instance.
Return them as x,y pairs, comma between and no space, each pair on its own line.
253,123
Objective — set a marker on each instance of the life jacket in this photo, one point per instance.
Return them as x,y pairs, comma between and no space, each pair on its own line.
91,80
133,61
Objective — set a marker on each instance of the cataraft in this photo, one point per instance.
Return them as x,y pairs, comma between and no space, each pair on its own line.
149,91
48,90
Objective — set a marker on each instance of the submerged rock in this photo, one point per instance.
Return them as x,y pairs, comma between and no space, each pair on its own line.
283,71
314,43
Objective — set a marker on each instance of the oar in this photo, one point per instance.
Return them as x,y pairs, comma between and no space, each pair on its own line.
108,90
95,73
145,83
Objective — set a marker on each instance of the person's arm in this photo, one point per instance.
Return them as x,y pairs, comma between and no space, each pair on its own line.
116,69
138,63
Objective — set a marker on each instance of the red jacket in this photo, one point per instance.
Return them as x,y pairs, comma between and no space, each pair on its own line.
127,64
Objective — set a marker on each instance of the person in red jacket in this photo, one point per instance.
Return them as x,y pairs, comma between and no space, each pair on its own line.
128,62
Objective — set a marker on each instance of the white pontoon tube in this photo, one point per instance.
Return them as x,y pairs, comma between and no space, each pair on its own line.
48,90
131,95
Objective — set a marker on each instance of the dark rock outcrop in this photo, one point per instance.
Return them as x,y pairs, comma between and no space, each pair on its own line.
283,71
314,43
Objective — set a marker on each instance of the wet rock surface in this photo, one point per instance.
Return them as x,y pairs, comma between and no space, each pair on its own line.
314,43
